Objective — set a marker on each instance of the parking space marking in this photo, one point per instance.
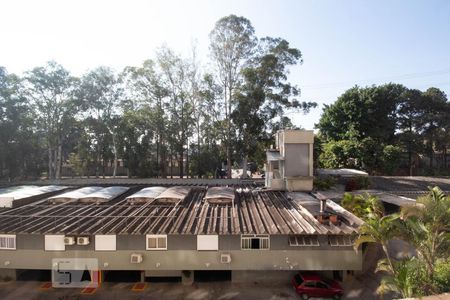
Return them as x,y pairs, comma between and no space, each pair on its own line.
139,287
88,291
45,286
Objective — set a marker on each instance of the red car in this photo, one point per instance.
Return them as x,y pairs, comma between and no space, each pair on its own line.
312,285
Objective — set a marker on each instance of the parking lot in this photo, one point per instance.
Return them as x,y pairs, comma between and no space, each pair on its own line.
34,290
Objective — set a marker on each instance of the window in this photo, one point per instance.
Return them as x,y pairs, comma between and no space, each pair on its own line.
105,243
8,241
303,240
156,242
341,240
54,243
255,241
207,242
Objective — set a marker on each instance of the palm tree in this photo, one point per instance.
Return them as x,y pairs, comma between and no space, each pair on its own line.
426,226
378,230
404,282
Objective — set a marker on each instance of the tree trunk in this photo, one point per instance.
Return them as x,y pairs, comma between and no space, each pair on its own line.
115,155
50,163
244,167
58,160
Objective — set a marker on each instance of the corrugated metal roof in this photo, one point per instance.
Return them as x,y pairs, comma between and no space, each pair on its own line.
254,212
147,194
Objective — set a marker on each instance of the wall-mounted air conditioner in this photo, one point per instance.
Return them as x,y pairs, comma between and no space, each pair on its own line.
225,258
83,240
136,258
69,240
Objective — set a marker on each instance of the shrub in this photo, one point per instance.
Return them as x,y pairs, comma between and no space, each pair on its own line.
324,183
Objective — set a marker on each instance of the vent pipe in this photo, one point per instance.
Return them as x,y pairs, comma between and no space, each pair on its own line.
323,205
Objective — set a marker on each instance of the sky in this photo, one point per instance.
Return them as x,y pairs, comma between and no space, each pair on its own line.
343,43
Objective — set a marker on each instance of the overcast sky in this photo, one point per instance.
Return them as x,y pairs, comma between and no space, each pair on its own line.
343,42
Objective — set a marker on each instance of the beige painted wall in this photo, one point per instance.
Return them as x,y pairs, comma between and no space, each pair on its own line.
194,260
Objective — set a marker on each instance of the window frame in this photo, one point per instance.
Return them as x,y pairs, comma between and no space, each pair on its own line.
340,240
155,236
247,238
301,242
9,236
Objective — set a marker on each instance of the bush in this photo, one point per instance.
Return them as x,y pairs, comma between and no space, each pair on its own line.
324,183
442,275
357,183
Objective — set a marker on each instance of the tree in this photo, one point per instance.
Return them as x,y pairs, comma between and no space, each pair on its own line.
146,91
426,227
175,75
100,93
265,93
20,150
51,90
232,43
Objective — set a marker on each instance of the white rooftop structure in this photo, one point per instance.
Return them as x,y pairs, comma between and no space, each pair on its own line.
75,194
105,194
173,194
147,194
7,199
341,172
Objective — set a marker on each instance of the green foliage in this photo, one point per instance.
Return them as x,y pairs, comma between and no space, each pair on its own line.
442,275
340,154
324,183
386,121
425,226
365,206
410,276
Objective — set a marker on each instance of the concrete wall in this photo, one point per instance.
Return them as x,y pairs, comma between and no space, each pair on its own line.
174,242
193,259
297,157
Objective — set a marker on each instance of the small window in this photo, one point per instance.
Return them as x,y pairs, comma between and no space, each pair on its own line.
322,285
259,241
304,240
8,241
310,284
156,242
341,240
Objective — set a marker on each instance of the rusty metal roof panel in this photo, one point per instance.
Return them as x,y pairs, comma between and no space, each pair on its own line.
252,212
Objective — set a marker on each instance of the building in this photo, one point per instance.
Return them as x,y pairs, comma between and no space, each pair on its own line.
183,232
290,165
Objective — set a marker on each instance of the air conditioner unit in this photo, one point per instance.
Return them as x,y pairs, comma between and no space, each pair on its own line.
225,258
136,258
69,240
83,240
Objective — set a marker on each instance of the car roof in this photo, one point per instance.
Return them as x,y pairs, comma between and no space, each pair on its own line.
310,276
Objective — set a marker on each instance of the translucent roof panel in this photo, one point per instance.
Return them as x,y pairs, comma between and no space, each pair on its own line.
6,200
75,194
10,189
146,194
173,194
105,194
220,194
